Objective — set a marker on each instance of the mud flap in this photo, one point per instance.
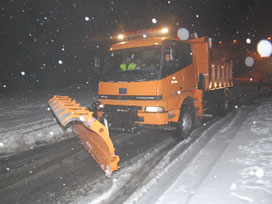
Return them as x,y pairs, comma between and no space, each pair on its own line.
93,135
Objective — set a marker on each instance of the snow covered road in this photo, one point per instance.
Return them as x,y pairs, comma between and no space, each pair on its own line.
225,160
49,165
234,164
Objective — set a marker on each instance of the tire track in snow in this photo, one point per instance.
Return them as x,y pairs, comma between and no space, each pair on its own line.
213,151
183,155
146,166
37,165
27,126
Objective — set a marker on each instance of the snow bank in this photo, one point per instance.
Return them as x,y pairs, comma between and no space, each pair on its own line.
255,157
27,122
29,135
235,166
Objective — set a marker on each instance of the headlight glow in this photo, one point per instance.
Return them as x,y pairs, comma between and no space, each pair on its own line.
154,109
120,37
164,30
101,106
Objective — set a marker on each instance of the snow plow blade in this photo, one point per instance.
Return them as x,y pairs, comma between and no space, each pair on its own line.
93,135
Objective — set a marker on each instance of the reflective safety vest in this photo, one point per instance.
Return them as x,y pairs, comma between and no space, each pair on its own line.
131,66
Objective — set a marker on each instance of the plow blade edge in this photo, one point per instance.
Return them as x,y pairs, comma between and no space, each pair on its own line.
93,135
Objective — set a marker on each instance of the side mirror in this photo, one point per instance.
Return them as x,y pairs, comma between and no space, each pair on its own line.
201,82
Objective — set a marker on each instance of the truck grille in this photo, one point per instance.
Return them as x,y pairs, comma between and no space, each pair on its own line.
122,118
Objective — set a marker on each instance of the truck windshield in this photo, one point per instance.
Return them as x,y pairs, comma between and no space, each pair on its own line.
133,64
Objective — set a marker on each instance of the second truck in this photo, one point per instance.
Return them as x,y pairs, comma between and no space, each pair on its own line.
151,79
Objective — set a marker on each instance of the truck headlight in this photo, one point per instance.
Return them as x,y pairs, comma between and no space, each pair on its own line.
154,109
101,105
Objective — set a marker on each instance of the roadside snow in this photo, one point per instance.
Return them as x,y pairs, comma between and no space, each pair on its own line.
27,122
29,135
235,166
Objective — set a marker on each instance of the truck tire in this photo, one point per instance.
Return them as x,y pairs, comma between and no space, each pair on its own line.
225,105
185,124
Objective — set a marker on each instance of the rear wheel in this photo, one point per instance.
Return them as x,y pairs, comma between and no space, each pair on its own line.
225,104
185,124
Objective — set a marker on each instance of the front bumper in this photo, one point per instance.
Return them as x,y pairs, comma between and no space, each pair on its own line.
128,118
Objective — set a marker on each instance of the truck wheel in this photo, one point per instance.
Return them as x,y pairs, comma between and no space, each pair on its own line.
225,106
185,124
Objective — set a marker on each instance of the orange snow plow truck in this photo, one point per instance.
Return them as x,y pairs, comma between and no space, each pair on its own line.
150,79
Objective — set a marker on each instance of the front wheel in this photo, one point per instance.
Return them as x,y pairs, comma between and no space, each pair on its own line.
185,124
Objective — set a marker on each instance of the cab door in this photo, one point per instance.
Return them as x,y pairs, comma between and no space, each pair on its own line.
174,73
186,69
171,81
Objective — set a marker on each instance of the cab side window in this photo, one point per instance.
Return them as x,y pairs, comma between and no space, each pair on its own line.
185,54
171,61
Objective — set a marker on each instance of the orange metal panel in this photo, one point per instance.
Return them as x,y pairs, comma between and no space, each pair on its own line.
176,114
198,96
141,103
146,88
154,118
177,86
200,49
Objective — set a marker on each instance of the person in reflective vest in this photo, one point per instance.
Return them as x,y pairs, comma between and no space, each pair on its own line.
128,65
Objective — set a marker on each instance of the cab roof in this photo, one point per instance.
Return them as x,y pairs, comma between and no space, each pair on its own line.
145,42
140,43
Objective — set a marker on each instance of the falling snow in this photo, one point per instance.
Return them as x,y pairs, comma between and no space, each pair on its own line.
264,48
35,34
248,40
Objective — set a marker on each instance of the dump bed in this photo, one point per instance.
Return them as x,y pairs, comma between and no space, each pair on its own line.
215,71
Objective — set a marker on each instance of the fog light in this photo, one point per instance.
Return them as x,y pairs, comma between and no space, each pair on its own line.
154,109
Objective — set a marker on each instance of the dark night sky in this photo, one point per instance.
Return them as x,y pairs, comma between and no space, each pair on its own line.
52,43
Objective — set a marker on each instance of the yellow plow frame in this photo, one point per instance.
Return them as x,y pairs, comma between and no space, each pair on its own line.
93,135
